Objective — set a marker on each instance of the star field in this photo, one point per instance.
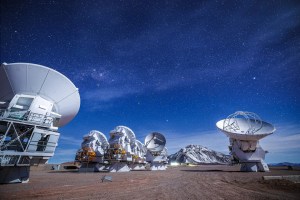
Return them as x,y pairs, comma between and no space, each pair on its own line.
171,66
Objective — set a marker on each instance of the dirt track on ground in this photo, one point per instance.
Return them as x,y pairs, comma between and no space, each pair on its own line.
184,182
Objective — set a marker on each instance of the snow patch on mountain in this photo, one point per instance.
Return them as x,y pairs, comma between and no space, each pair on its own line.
197,154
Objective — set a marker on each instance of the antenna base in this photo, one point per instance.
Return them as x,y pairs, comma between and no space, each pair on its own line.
259,166
14,174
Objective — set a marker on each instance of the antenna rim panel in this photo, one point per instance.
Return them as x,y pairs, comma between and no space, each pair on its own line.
39,80
141,146
243,122
101,136
155,148
128,132
267,129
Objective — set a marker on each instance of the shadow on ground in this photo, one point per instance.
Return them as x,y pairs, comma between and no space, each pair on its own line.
208,170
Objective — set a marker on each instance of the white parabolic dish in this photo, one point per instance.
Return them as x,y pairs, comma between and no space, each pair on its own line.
155,142
124,130
33,79
101,136
240,134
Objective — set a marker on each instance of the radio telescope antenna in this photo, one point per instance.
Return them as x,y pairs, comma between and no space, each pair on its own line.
120,153
99,138
155,142
138,159
91,154
157,154
245,129
34,101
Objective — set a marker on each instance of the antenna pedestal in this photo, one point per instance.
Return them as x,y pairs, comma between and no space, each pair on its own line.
92,167
157,162
14,174
137,166
245,129
155,166
259,166
250,158
23,145
119,167
248,167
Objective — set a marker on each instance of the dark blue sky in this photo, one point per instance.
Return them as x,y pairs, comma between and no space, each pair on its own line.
176,67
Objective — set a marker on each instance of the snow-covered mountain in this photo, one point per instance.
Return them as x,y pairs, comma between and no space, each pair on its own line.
283,164
197,154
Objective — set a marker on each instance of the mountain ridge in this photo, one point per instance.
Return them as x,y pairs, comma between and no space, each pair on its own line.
198,154
283,164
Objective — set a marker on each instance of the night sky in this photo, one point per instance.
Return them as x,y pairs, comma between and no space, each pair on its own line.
176,67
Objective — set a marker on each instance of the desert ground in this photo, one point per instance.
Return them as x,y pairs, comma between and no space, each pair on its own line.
181,182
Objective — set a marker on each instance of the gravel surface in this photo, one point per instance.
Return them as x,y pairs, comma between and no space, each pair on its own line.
182,182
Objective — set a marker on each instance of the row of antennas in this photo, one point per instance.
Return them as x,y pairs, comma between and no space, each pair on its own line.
122,152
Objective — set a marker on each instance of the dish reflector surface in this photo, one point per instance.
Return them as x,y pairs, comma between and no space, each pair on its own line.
245,126
33,79
155,142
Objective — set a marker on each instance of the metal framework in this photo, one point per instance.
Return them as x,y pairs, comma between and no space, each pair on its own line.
34,101
253,121
244,130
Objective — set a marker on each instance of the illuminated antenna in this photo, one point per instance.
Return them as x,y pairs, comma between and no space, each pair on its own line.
244,130
34,101
157,153
120,152
92,152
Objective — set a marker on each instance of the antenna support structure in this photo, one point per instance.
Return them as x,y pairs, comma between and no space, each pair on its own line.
244,130
34,102
156,151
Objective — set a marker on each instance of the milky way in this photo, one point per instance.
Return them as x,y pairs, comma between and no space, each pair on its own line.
175,67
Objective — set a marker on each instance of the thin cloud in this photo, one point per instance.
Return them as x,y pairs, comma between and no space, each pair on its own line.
285,140
107,94
279,143
69,140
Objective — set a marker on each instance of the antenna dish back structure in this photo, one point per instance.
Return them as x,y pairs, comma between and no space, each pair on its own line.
120,151
138,159
34,101
156,155
245,129
99,136
141,147
91,154
125,131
